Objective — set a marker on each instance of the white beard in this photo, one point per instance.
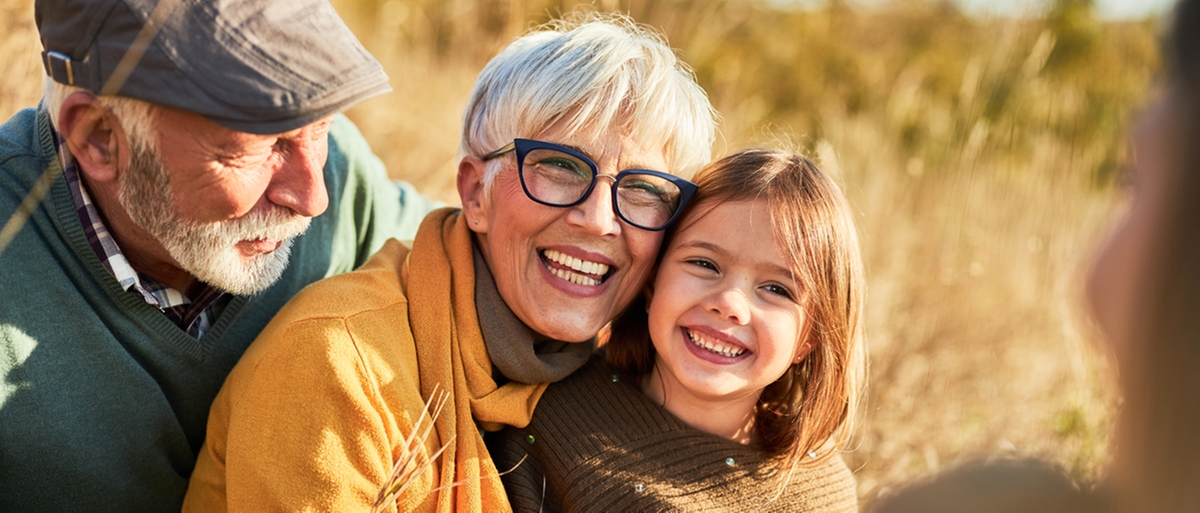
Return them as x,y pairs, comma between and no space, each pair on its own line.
208,251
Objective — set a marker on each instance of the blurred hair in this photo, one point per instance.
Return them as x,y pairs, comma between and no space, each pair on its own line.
814,403
1157,463
136,116
590,75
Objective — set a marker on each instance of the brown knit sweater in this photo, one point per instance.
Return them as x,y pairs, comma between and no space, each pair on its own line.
597,444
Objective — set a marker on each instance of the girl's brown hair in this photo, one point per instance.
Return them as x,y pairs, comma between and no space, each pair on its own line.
812,405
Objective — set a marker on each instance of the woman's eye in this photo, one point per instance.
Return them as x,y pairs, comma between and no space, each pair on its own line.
643,186
565,165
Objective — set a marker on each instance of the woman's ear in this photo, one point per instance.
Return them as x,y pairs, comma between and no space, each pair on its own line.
93,136
472,192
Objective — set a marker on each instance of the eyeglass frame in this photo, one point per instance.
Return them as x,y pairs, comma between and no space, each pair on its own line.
522,147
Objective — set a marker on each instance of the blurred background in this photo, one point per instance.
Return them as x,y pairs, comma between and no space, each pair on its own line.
981,144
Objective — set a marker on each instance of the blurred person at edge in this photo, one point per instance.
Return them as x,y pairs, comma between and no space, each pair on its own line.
184,211
571,141
1144,290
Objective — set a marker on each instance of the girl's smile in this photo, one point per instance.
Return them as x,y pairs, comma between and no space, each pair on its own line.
726,313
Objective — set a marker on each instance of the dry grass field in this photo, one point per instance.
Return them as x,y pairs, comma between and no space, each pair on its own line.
983,158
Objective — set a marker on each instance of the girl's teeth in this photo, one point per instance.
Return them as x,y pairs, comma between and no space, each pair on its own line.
700,341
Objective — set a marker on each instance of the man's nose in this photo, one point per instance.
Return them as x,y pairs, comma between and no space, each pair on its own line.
299,181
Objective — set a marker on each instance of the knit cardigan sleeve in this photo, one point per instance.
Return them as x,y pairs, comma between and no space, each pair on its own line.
322,404
309,420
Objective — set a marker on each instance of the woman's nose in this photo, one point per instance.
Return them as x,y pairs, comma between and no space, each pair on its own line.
597,214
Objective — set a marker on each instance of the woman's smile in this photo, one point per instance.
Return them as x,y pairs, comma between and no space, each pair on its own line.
580,271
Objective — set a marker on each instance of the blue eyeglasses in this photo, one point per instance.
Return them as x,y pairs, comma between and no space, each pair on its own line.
558,176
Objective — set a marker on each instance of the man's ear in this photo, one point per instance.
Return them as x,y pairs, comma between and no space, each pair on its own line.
93,135
471,192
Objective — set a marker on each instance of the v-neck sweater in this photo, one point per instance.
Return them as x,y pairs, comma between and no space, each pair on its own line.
103,400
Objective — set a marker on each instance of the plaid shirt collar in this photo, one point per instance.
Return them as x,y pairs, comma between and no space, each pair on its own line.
193,315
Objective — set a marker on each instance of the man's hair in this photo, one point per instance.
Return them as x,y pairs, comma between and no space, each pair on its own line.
813,405
590,75
136,116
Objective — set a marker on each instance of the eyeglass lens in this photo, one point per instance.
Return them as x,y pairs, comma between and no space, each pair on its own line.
562,179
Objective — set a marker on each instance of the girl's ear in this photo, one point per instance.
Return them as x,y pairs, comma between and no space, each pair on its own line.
802,352
471,190
806,344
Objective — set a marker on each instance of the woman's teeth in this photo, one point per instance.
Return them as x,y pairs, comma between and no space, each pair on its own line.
577,279
582,268
712,346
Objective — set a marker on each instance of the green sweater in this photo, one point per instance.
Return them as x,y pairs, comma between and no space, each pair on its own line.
103,401
597,444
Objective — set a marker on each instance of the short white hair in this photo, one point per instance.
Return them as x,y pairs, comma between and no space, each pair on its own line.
588,76
136,116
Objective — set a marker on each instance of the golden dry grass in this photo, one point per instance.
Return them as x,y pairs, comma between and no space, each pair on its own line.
979,155
20,84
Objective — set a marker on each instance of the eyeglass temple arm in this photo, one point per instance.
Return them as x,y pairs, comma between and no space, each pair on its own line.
504,149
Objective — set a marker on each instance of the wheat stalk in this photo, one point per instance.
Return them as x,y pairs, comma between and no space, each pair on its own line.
407,467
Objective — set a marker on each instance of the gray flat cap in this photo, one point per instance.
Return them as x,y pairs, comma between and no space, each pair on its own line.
259,66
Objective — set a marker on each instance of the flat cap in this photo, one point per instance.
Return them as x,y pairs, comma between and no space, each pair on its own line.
259,66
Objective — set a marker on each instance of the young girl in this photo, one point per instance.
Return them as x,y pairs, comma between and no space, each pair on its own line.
732,386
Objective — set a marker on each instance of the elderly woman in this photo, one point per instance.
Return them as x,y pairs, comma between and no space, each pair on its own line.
569,143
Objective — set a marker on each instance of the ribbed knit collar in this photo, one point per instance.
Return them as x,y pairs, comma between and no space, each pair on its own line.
516,351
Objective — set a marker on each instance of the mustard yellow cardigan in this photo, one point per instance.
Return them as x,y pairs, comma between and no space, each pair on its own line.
317,410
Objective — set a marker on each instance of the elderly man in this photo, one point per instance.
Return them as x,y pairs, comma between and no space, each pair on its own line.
184,172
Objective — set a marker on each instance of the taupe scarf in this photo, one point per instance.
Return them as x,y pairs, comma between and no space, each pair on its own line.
515,350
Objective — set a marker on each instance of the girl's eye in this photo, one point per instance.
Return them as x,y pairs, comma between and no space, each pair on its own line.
780,290
700,262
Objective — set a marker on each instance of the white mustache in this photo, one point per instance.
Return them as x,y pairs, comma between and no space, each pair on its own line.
276,224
